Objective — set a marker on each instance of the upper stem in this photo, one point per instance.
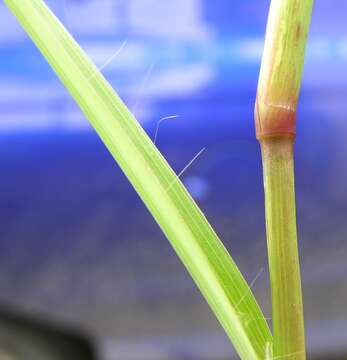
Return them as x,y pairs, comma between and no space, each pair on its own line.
281,67
287,306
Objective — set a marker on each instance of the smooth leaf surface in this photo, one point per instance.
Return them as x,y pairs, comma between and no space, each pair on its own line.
179,217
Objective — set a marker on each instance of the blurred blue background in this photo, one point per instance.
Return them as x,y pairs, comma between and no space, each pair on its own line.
76,244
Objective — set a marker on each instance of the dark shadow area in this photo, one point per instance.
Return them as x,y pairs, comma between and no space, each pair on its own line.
331,357
24,337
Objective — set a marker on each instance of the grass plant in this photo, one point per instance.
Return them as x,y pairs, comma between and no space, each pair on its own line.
185,226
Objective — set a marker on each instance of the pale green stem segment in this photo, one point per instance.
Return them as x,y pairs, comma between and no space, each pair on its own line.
185,226
287,307
281,68
275,119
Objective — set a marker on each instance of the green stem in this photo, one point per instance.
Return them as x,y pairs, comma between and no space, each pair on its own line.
287,307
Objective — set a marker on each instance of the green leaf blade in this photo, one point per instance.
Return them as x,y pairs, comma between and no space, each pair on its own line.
187,229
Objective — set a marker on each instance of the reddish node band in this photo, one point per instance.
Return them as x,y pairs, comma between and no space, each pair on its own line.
274,122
